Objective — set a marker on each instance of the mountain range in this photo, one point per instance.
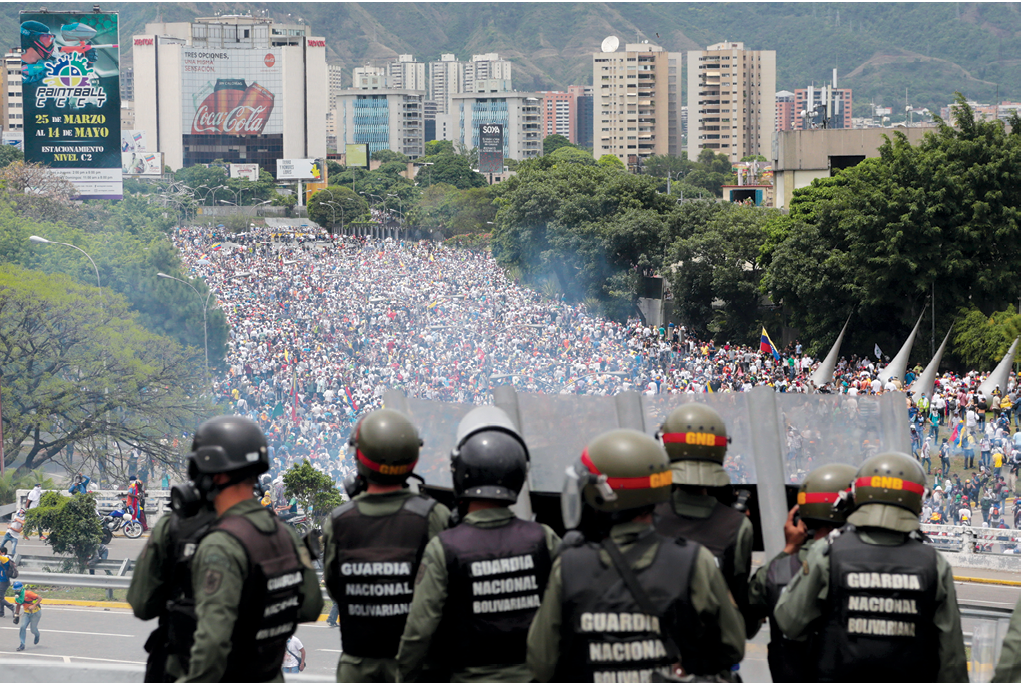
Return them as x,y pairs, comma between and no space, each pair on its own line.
891,53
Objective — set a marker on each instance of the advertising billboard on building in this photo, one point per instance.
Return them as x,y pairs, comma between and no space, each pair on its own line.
231,92
71,89
133,141
142,163
357,154
491,148
299,169
246,171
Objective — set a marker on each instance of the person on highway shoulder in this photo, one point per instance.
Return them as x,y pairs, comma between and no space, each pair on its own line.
228,581
880,603
812,519
481,580
375,542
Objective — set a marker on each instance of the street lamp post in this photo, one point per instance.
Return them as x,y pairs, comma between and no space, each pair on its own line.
205,310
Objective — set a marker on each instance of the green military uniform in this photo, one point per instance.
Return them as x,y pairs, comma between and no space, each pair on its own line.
354,669
701,507
219,572
709,596
1009,668
427,609
758,604
805,599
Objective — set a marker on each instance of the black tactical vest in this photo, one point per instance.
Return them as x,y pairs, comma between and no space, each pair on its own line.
718,534
879,623
373,575
270,600
606,635
184,536
496,580
789,661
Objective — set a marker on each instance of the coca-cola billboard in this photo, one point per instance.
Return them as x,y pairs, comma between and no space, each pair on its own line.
230,92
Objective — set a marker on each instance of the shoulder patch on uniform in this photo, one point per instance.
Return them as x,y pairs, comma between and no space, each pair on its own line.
804,567
212,581
421,573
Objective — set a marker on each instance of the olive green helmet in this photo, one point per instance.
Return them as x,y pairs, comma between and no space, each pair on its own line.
386,446
888,492
821,489
620,470
695,437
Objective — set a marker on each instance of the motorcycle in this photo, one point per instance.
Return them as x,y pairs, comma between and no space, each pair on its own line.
300,523
122,520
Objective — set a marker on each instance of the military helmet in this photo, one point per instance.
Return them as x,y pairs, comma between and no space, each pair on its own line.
821,489
490,460
695,437
888,492
386,446
228,444
619,470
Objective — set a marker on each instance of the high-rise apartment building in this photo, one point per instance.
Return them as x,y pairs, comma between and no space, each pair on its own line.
446,78
387,119
731,100
406,74
520,113
335,85
633,116
13,116
127,84
369,78
814,101
784,110
449,77
487,66
581,115
556,113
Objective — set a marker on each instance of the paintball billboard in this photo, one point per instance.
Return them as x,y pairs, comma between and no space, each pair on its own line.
70,77
231,92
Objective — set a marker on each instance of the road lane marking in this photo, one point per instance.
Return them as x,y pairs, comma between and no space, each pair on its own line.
70,632
67,658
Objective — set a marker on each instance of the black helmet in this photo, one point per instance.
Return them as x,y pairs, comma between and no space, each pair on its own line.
490,460
386,446
228,444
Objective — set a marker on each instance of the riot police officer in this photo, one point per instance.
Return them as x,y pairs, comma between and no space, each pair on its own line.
373,545
881,603
482,580
232,581
812,519
695,438
625,603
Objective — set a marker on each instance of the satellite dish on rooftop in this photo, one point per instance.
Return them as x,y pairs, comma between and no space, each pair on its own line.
610,44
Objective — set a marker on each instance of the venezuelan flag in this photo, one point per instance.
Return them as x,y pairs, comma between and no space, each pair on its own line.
216,246
766,345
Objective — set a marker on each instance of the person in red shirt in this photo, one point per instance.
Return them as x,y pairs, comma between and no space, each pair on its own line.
28,603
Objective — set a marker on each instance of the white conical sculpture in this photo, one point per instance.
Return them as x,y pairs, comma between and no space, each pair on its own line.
999,376
899,364
824,372
925,382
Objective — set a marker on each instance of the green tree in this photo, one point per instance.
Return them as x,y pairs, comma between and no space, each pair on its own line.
313,489
389,156
455,170
611,162
18,479
569,153
880,238
79,370
201,180
71,524
552,143
10,154
981,341
439,147
347,206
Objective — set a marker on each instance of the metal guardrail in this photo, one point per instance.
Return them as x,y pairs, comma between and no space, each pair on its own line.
103,582
968,540
118,567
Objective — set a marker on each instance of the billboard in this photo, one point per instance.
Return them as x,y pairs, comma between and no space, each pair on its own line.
357,155
133,141
231,92
246,171
15,138
70,77
299,169
491,148
142,163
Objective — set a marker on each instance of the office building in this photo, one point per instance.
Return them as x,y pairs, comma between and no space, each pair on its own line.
633,116
12,115
406,74
520,113
448,77
834,114
581,115
237,88
731,100
369,78
784,110
388,119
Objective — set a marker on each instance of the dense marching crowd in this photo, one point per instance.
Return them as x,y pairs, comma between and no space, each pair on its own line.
321,327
